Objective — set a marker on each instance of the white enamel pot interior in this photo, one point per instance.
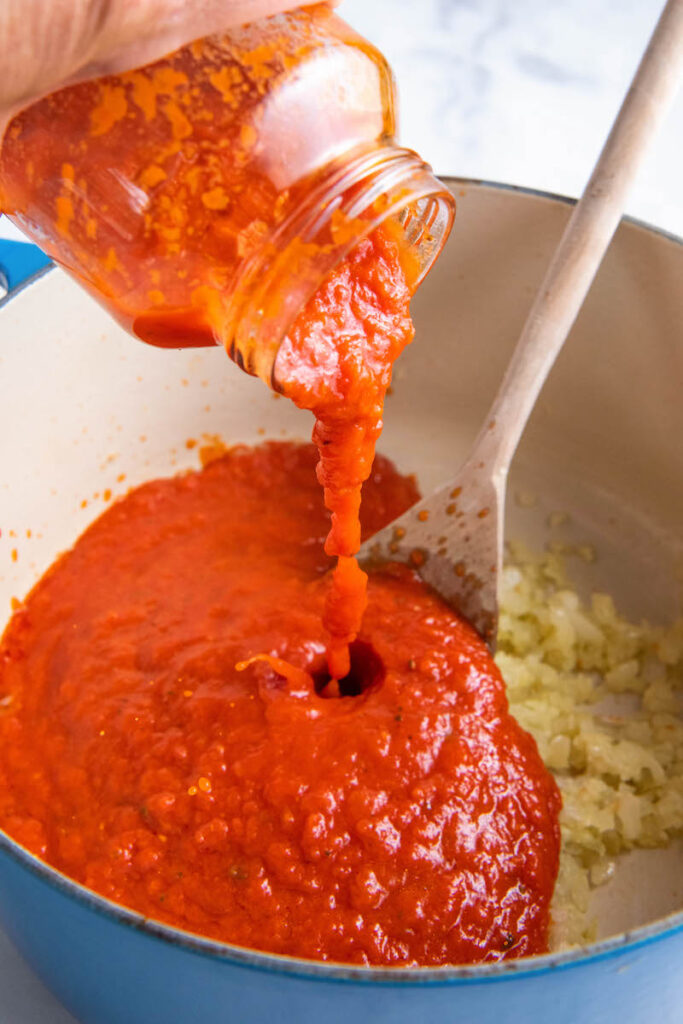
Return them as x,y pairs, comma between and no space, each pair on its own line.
87,410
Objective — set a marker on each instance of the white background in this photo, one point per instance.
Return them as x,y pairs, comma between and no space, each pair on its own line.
520,91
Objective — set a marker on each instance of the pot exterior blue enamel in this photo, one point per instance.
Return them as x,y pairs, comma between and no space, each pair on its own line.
108,971
19,262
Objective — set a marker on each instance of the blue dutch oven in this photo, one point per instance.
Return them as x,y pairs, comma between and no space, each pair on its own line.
109,965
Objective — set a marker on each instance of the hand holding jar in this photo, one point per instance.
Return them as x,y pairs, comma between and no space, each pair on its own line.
48,45
203,198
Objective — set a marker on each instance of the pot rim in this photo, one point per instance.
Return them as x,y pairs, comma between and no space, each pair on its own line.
335,972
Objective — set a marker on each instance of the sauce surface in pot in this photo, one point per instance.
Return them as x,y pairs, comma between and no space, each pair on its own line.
410,822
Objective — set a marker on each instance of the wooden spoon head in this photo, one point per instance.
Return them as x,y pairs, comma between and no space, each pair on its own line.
453,539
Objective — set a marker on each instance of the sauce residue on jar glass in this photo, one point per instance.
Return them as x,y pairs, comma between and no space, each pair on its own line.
412,823
203,198
161,184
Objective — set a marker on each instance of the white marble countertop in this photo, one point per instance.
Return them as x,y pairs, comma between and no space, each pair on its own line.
524,91
519,91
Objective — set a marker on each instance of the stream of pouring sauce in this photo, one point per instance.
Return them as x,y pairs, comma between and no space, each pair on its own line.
337,362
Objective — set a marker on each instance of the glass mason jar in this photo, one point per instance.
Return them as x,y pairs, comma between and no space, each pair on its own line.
203,199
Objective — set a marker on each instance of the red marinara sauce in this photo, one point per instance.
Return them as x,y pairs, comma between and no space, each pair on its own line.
412,823
337,362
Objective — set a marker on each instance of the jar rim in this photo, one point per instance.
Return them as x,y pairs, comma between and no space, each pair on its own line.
356,195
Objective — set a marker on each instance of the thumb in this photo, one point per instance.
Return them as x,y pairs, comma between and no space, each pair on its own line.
49,45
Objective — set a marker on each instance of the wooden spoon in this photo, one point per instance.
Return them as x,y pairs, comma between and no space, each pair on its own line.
455,537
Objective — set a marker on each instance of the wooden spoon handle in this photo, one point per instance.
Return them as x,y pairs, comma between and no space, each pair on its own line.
585,239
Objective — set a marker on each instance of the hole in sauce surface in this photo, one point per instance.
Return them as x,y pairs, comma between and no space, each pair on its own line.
366,673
